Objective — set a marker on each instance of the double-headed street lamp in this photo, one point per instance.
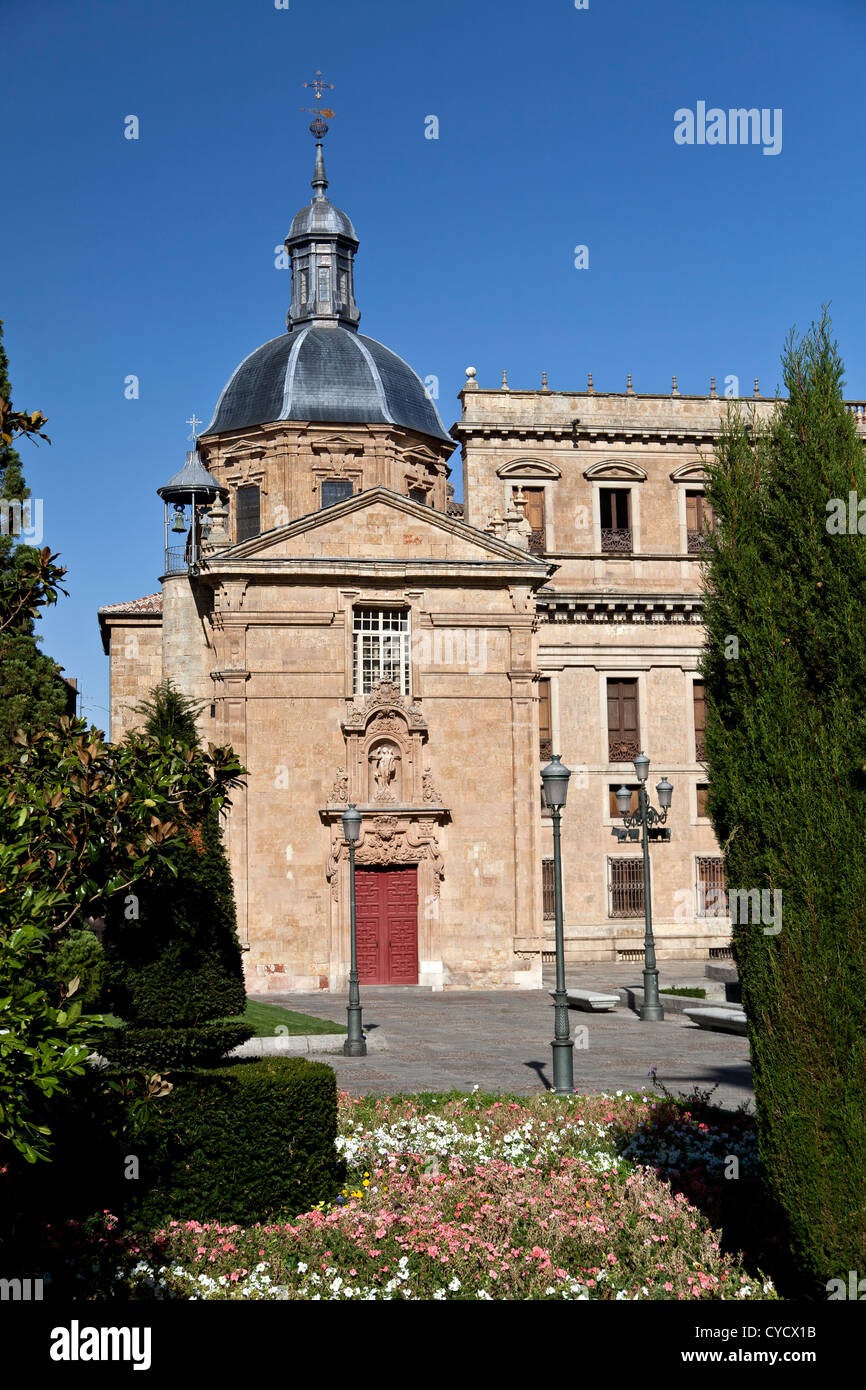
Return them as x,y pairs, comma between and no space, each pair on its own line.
650,821
554,779
354,1046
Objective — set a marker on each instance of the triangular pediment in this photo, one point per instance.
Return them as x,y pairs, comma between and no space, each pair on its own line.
377,524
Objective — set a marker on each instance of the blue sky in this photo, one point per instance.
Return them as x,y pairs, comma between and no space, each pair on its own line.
155,257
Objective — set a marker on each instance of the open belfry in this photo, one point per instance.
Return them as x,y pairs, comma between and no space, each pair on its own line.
361,638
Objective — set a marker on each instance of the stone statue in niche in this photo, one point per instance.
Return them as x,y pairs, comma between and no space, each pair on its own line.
383,762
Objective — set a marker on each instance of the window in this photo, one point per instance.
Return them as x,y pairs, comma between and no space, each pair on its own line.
545,734
615,506
535,516
625,887
699,699
418,494
381,648
711,887
302,286
703,798
335,490
324,282
548,890
344,286
613,788
622,721
247,513
699,520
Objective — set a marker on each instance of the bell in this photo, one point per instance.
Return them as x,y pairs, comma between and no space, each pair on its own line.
178,524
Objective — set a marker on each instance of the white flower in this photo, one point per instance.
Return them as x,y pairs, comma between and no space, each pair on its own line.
455,1284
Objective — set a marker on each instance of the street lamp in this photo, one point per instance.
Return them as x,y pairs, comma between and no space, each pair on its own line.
354,1046
649,820
554,779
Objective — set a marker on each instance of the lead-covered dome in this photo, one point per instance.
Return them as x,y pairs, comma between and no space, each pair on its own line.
325,373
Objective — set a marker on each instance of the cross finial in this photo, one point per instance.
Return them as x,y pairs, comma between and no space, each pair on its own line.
318,126
195,422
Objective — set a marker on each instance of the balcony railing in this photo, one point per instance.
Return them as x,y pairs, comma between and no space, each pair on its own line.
545,749
698,541
616,542
536,541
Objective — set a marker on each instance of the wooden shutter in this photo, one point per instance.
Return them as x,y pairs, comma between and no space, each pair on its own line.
545,733
248,512
622,720
700,707
703,799
535,516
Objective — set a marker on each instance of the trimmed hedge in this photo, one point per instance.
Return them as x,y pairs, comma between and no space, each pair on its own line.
167,1049
247,1142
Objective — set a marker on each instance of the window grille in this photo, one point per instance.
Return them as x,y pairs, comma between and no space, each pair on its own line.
711,887
548,890
335,490
248,513
626,887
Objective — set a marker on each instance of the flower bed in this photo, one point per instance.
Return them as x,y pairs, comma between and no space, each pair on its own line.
471,1197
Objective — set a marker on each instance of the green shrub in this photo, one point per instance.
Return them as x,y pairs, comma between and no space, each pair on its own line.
164,1049
79,954
179,963
242,1143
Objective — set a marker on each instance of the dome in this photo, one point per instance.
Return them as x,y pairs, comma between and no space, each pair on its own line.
331,374
320,217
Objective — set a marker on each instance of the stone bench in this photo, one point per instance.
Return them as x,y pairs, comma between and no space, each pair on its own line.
719,1020
590,1000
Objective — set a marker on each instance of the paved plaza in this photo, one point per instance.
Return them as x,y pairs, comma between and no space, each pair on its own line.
500,1040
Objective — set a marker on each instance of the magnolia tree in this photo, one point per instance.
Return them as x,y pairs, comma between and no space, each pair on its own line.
82,824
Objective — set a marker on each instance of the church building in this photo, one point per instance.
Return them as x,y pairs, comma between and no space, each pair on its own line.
360,638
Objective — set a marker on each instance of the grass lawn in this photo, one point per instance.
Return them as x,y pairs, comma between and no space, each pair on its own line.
688,993
267,1018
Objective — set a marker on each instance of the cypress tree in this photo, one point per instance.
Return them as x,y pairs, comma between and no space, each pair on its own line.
32,693
785,670
178,963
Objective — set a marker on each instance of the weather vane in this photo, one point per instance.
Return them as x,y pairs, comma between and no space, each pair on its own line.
318,126
195,422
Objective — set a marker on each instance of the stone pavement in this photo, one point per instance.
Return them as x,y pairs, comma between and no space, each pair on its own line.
500,1040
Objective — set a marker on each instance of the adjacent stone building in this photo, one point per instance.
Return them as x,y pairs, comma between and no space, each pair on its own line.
358,637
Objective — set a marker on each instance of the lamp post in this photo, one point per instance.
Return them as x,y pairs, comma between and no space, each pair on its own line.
354,1046
645,818
554,779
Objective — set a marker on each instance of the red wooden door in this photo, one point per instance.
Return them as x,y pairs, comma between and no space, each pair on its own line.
386,907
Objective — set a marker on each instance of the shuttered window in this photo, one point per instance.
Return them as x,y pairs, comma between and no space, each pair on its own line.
535,516
248,512
623,731
615,504
700,706
625,887
703,799
699,520
545,734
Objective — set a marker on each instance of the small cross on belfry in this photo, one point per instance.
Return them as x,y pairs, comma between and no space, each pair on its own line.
195,422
